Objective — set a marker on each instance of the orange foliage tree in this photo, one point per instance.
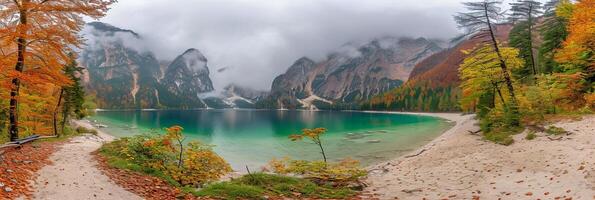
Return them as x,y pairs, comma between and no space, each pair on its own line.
35,39
577,55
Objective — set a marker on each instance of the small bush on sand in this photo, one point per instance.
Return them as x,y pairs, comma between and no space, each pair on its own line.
530,135
160,156
82,130
499,137
343,173
553,130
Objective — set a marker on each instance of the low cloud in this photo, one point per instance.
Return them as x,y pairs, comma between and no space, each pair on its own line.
94,39
257,40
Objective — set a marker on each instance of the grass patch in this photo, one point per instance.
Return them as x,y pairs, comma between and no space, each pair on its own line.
502,136
259,184
553,130
530,135
228,190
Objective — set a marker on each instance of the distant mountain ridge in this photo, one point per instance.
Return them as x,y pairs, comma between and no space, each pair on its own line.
387,73
433,83
348,77
121,75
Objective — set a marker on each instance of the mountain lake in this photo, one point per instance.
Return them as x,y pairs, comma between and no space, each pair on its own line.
253,137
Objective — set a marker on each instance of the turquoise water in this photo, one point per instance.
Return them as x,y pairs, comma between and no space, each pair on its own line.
253,137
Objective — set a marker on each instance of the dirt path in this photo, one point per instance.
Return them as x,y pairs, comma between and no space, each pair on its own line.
74,175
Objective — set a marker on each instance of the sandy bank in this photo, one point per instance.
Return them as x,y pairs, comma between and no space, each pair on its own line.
459,165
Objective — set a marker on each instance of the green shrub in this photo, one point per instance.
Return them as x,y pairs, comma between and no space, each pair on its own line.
552,130
341,173
499,137
530,135
81,130
159,156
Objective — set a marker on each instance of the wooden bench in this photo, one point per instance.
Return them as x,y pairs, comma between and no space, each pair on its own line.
22,141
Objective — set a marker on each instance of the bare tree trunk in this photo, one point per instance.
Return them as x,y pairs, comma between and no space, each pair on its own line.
13,128
181,152
507,79
55,117
322,150
533,64
64,119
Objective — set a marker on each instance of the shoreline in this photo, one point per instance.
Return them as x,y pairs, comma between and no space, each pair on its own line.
460,165
456,118
459,119
88,125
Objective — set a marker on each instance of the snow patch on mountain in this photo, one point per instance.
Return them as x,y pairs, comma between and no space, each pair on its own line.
308,102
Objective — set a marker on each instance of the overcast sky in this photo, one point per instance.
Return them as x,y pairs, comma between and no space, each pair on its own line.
259,39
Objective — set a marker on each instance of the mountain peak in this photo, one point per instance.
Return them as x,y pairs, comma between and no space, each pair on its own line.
105,27
301,66
193,53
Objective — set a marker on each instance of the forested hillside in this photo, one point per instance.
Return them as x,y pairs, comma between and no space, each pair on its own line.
433,83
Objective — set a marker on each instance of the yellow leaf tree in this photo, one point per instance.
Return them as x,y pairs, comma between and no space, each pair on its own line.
480,72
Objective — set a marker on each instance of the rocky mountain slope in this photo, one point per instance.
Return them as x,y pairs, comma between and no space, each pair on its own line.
184,80
121,73
352,74
116,72
433,83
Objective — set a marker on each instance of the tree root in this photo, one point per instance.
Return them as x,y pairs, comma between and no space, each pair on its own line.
417,154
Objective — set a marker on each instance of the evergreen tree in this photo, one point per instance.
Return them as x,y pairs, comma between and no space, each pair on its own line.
553,33
74,94
520,38
525,11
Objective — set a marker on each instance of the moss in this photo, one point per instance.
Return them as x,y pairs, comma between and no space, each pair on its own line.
227,190
273,185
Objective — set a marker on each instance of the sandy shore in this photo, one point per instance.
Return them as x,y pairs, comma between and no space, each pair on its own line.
74,173
459,165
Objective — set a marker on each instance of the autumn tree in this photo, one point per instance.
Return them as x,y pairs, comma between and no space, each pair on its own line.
479,22
524,13
577,55
35,37
482,79
314,136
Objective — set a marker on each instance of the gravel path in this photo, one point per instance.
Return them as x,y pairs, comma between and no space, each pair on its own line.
74,175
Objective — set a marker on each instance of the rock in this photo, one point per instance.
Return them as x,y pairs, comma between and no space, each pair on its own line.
1,184
373,141
27,162
8,189
412,190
